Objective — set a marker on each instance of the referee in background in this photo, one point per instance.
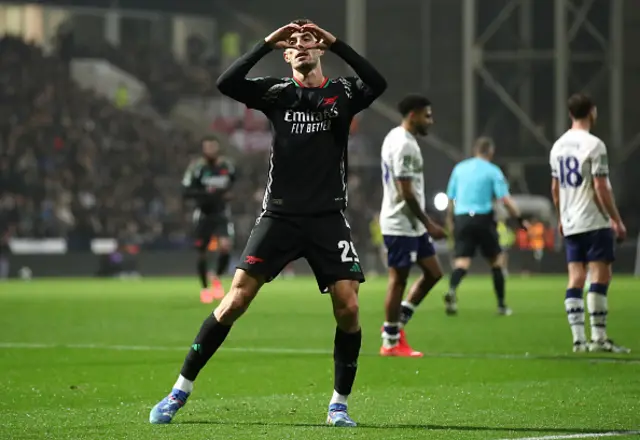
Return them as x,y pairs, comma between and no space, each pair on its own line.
474,185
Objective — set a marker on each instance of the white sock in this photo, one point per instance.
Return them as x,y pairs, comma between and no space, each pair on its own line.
390,339
575,315
598,309
338,398
184,384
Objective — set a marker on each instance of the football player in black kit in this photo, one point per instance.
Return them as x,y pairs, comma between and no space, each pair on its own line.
208,181
304,200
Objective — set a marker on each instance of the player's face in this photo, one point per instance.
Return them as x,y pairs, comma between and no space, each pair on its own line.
210,149
301,57
422,120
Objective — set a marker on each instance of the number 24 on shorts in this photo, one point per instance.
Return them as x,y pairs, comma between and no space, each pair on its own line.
347,246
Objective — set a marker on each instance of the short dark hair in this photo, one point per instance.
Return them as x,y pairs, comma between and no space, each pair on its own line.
483,145
580,105
301,21
412,103
209,138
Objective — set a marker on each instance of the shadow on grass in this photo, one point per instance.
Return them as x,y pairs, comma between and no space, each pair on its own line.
540,429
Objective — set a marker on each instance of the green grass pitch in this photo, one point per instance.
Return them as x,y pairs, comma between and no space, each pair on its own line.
87,359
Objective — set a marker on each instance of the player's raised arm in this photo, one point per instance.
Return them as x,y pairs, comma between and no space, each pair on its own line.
370,84
604,192
234,82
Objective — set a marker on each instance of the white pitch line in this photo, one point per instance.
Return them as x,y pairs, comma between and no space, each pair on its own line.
585,435
28,345
280,350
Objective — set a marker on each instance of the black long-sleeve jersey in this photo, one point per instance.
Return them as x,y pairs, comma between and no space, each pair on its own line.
308,163
208,183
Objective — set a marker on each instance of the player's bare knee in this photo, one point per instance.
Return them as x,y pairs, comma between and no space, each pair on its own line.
347,316
225,245
434,273
577,275
229,309
349,309
600,273
398,278
577,278
462,263
345,305
243,290
497,262
396,284
577,281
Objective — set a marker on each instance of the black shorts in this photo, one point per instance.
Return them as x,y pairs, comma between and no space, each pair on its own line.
476,231
211,226
324,241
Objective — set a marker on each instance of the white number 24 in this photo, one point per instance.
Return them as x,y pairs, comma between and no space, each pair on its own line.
347,246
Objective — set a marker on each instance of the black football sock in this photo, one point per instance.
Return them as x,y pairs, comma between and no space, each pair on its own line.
223,264
456,278
498,284
345,357
202,271
210,337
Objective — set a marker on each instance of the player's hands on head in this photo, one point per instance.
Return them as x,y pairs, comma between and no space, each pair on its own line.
279,39
620,230
324,39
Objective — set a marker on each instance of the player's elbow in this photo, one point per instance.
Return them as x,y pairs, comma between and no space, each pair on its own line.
380,85
224,83
221,84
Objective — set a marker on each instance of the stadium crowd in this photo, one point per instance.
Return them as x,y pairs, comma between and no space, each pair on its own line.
74,165
166,79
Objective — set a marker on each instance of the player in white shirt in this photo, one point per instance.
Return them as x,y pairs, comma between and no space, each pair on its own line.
589,221
406,228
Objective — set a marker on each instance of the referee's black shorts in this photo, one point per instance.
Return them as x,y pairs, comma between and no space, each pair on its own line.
476,231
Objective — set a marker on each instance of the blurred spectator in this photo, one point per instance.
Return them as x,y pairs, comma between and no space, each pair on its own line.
122,96
166,79
74,165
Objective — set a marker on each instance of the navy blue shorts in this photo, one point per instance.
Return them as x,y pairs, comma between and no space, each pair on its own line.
403,251
598,245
